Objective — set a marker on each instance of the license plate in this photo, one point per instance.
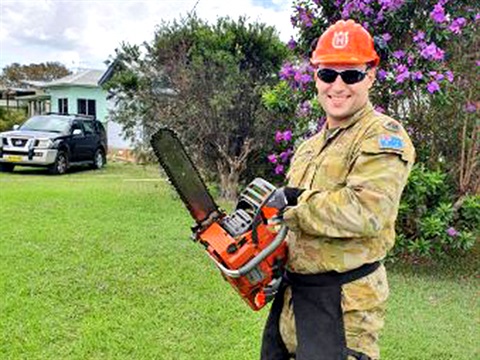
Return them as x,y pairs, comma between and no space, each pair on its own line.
13,158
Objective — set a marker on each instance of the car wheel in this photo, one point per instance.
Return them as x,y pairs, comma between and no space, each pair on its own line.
99,159
60,166
7,167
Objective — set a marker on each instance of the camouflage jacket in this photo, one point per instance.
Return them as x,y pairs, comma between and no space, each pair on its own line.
353,178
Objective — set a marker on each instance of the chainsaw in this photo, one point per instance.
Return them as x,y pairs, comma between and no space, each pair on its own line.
247,245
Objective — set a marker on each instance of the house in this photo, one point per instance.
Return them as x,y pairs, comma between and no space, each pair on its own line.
81,93
30,99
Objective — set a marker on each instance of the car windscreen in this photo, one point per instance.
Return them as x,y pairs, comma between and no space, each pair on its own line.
47,123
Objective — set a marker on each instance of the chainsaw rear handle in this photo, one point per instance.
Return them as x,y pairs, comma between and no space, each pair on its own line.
262,255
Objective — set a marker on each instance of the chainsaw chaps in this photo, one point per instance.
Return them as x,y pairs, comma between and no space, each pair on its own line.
183,175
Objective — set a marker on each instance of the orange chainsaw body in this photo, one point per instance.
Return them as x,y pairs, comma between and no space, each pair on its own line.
235,252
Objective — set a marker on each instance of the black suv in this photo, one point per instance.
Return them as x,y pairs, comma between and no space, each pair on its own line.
54,141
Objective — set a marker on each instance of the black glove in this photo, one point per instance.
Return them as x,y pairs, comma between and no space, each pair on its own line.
283,197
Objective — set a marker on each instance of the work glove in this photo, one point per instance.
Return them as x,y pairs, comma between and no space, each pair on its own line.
283,197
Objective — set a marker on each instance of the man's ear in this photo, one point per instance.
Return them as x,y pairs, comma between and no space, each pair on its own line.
372,75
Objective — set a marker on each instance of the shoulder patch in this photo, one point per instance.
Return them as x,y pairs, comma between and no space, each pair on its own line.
390,142
391,125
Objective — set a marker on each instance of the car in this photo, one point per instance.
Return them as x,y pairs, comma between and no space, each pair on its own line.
54,141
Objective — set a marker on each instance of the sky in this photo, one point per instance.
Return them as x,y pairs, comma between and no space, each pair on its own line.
83,34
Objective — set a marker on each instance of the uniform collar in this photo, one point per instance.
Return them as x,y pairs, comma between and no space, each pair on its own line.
360,114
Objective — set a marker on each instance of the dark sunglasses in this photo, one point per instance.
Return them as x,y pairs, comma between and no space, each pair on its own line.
348,76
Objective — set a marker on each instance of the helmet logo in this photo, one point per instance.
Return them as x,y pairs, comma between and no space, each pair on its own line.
340,39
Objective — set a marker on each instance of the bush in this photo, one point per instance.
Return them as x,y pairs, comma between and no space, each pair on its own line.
430,222
8,118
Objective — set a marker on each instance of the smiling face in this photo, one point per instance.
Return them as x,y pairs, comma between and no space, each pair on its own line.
340,100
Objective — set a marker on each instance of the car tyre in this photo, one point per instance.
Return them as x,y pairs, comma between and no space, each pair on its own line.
7,167
60,166
99,159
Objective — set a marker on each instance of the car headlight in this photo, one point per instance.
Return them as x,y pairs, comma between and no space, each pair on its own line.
44,144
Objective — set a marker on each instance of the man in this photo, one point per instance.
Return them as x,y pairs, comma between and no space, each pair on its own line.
344,188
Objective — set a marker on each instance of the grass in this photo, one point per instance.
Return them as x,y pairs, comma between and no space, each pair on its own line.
99,265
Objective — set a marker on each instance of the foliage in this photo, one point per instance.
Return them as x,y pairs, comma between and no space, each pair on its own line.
13,75
428,75
429,222
205,81
9,117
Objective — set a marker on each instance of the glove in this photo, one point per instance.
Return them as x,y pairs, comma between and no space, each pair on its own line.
283,197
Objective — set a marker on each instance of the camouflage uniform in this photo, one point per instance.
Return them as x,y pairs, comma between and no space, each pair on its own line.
354,176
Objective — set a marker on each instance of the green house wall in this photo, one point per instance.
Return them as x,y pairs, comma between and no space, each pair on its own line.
73,93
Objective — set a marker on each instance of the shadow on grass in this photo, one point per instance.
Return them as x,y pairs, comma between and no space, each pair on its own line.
40,171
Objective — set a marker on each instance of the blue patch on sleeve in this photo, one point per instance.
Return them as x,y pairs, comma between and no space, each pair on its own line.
390,142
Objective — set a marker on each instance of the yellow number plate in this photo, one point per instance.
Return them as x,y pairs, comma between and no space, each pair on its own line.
13,158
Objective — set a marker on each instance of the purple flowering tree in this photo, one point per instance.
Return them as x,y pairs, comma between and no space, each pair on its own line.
428,76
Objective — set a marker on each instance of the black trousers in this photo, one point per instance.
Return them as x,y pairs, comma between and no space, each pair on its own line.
318,317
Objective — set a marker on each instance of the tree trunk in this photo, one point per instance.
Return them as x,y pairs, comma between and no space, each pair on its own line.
229,179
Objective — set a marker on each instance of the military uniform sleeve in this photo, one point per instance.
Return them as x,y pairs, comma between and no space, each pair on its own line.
370,197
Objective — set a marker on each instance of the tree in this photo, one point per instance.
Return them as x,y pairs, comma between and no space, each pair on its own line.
205,81
428,76
13,75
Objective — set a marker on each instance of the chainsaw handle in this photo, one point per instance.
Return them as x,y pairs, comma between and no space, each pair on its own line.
249,266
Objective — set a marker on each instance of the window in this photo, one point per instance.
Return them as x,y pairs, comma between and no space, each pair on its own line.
89,127
87,107
63,106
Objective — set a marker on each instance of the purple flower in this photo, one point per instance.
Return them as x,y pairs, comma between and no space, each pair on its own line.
272,158
380,109
436,76
410,60
477,62
470,107
398,54
438,14
302,78
452,232
433,87
449,76
477,17
432,52
417,75
292,44
287,135
419,36
402,74
398,93
278,136
287,71
387,37
279,169
382,74
285,155
457,24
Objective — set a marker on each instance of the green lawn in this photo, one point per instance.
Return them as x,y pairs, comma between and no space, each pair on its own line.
100,265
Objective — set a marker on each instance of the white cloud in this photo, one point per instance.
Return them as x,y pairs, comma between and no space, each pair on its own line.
86,32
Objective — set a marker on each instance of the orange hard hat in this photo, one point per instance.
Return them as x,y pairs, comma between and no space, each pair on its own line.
345,42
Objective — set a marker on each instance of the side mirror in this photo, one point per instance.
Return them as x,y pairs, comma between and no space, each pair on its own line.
77,132
15,127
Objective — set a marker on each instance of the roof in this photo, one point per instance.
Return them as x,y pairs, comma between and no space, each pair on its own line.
89,77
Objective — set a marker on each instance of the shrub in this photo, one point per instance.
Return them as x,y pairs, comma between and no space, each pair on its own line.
8,118
430,222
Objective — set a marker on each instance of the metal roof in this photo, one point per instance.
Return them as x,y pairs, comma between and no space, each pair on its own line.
87,77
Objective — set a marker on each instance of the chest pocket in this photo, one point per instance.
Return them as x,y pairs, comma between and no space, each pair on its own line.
300,164
331,167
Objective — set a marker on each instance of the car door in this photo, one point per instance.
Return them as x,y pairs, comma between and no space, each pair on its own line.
78,143
91,139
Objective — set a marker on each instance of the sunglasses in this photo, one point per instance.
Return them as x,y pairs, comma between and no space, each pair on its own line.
348,76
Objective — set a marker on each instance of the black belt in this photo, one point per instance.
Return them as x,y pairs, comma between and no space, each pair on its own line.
331,277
